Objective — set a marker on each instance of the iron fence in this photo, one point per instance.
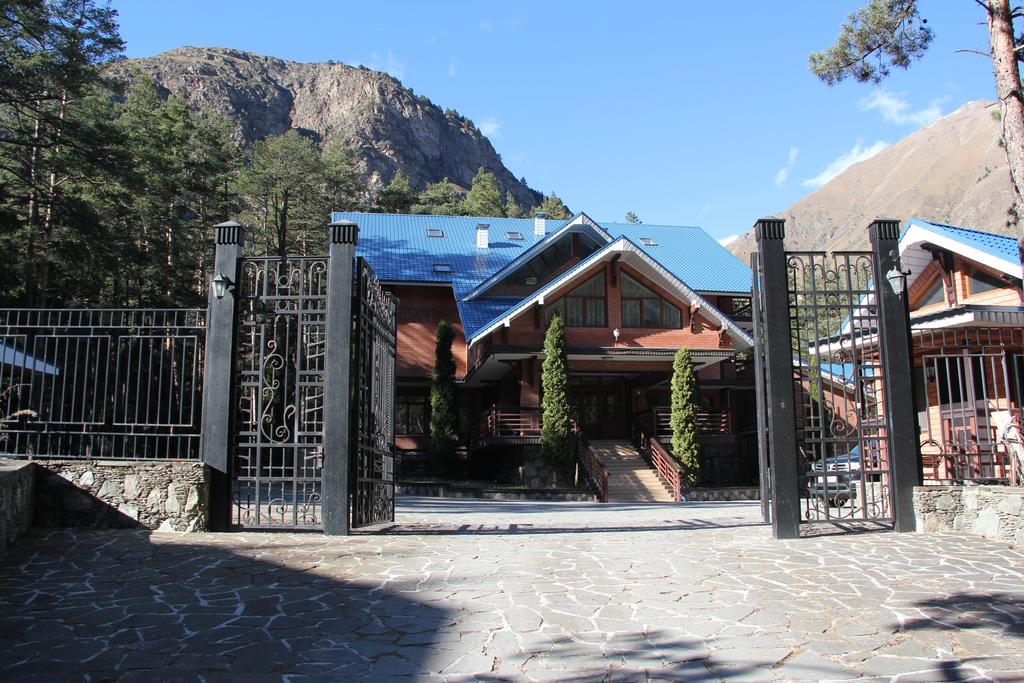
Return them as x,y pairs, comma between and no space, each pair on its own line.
101,383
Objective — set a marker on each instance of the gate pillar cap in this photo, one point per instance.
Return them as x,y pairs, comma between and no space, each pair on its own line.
885,228
344,232
770,228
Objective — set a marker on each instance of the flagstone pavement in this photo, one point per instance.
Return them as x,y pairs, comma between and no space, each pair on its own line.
514,591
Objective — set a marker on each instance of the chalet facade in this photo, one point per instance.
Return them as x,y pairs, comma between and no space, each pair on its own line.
630,296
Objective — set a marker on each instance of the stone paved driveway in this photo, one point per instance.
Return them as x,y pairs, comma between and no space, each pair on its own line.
514,591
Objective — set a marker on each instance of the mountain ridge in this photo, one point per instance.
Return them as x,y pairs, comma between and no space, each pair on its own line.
385,125
952,170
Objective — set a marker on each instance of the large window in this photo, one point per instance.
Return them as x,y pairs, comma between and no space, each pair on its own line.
643,308
980,281
583,306
935,294
412,414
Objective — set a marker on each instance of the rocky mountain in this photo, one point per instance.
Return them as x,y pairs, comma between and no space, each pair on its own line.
385,125
951,171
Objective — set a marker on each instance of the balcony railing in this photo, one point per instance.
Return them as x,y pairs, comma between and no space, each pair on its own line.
711,421
500,423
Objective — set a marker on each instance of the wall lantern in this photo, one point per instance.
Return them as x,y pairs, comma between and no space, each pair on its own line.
615,333
220,285
897,276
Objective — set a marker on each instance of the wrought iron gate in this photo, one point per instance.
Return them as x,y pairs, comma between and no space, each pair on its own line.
278,455
842,428
372,482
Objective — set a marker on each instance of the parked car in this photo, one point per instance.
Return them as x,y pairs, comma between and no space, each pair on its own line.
836,478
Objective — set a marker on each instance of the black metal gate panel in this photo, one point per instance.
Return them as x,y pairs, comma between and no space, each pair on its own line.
839,387
372,480
278,455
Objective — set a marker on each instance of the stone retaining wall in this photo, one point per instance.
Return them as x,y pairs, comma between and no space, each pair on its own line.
160,495
727,493
995,512
16,497
443,490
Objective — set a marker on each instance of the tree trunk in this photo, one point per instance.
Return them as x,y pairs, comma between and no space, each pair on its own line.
1011,103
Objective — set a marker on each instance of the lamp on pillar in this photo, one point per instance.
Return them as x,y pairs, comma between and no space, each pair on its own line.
220,285
897,276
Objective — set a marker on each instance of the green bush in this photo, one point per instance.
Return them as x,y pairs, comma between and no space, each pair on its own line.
444,423
556,426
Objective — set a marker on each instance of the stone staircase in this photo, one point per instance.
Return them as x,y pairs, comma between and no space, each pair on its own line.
630,478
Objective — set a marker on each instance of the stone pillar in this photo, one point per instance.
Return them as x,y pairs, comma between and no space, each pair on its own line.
219,376
778,364
897,356
338,377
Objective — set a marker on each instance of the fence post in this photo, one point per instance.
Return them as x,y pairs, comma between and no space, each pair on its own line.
337,377
897,354
218,371
779,394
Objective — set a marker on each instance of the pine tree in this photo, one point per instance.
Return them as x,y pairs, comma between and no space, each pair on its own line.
553,207
439,199
683,420
512,208
632,217
444,427
398,196
284,191
344,189
556,430
484,197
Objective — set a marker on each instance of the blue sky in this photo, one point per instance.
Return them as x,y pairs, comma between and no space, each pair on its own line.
687,113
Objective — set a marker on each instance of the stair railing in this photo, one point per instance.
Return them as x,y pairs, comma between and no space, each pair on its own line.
595,474
657,457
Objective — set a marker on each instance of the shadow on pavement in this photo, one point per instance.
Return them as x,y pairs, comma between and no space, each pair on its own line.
123,605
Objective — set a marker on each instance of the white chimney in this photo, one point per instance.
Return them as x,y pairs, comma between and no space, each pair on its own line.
483,235
540,223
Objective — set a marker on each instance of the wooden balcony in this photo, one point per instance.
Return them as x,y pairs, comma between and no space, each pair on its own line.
508,426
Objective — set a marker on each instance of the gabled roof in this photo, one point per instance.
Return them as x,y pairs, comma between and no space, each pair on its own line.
400,250
622,245
998,252
580,220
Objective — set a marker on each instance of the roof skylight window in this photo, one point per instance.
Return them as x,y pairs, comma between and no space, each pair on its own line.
435,232
648,241
442,267
514,235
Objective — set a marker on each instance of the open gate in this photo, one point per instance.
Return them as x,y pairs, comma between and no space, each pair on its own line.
833,369
839,387
372,471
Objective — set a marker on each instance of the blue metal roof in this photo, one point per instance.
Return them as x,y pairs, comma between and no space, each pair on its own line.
10,355
399,249
1000,246
690,254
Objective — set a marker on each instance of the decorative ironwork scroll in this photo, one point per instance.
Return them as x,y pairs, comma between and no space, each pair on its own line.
278,459
839,388
373,399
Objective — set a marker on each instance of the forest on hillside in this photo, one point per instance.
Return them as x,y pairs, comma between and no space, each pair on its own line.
108,194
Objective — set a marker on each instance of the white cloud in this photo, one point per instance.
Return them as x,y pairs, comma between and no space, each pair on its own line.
486,26
452,70
728,239
490,127
896,109
783,175
857,154
388,63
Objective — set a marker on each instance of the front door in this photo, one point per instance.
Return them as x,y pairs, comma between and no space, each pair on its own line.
600,406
